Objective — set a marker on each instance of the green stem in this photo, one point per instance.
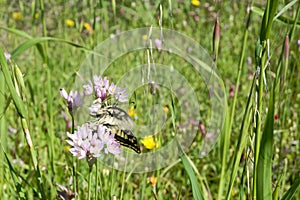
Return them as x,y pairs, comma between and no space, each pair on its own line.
232,108
259,116
44,28
51,135
96,182
90,182
33,157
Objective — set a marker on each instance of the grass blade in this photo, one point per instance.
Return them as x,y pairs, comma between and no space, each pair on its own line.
293,189
197,194
34,41
285,8
16,98
267,21
264,165
17,32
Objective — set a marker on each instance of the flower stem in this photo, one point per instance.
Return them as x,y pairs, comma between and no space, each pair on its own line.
90,180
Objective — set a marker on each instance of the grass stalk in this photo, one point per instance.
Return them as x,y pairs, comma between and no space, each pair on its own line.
258,117
50,134
42,7
96,180
232,110
242,140
90,182
16,95
3,129
262,62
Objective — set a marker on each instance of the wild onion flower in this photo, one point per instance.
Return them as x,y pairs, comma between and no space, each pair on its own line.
104,91
90,142
73,99
88,88
158,44
120,94
67,120
7,56
95,107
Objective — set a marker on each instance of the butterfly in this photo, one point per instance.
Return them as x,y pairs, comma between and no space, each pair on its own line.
119,123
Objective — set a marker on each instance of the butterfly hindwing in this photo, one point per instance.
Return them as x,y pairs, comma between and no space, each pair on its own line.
124,137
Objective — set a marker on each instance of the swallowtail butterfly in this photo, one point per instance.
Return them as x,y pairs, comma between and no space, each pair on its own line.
118,122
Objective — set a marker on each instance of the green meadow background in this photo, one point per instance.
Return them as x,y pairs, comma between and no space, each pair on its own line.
257,155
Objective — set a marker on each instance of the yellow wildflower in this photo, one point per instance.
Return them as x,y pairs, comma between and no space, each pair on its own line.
149,142
36,15
195,2
166,109
17,16
145,37
132,113
67,148
70,22
152,180
88,27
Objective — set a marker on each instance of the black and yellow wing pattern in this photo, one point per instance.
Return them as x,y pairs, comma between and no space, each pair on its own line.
118,122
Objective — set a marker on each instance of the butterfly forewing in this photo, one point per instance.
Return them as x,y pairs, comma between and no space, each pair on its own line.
115,116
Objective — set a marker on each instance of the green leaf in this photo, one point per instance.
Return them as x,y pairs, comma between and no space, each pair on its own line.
293,189
17,32
16,98
278,17
267,21
34,41
264,165
197,194
285,8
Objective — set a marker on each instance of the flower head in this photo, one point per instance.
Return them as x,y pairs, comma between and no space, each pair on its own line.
149,142
90,142
195,2
152,180
7,56
17,16
88,88
112,89
88,27
70,23
132,113
100,87
120,94
73,99
158,44
103,90
95,107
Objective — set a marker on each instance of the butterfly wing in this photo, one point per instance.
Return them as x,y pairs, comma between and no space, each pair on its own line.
115,116
119,123
124,137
